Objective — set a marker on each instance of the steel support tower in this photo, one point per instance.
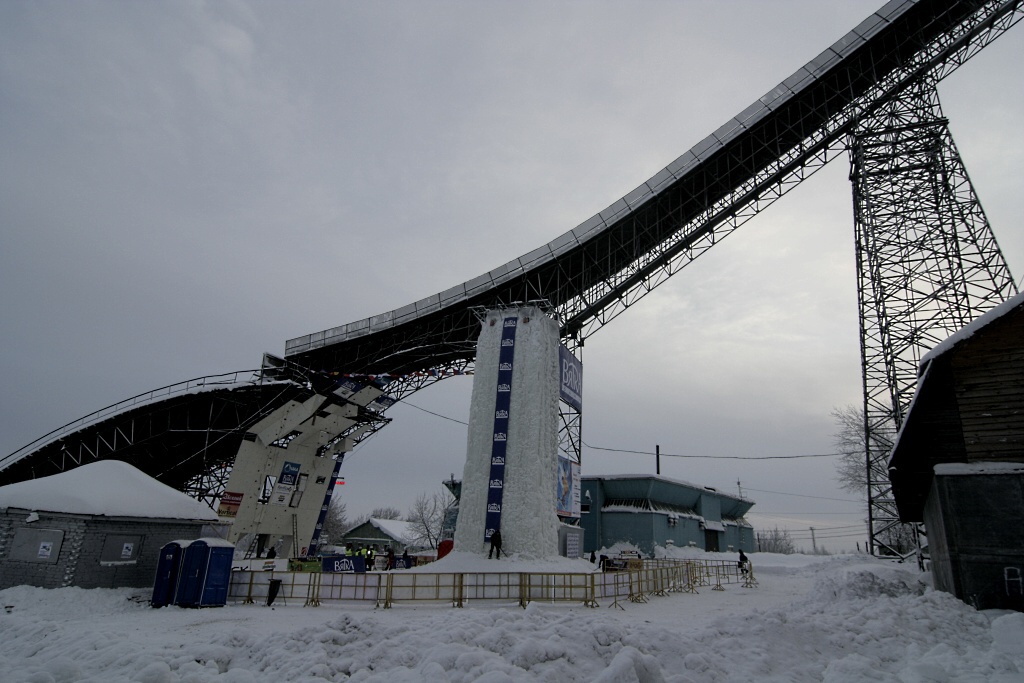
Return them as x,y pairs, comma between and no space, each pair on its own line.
927,265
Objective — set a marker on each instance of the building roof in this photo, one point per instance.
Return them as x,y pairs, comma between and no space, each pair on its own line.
397,530
672,492
968,406
108,488
968,330
402,532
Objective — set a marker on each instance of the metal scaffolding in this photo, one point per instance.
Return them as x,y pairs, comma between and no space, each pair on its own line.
927,265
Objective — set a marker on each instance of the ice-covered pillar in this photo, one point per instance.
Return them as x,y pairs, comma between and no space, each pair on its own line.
509,481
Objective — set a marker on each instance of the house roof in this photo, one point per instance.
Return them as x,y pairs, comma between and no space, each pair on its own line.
400,531
966,406
109,488
968,330
397,530
672,492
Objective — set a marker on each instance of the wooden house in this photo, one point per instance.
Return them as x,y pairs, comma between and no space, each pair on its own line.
958,462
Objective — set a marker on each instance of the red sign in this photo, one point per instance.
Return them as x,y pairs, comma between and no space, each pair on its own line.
229,503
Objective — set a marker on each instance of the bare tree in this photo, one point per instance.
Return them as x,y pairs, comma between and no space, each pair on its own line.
426,516
386,513
849,439
775,541
851,443
335,524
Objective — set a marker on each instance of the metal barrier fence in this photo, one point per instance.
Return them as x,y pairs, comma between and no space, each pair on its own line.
384,589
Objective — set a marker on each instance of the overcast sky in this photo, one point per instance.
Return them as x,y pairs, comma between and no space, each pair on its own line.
185,185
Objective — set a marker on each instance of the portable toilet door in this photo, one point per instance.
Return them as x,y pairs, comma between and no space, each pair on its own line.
192,576
218,572
168,570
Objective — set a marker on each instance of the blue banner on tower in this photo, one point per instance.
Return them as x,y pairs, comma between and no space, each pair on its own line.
570,373
502,403
314,542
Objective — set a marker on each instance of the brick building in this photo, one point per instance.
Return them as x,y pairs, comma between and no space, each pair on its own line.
97,526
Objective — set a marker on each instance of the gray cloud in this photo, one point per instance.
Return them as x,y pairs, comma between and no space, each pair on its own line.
187,185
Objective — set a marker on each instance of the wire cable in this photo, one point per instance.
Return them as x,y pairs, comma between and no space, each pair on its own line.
431,412
715,457
801,495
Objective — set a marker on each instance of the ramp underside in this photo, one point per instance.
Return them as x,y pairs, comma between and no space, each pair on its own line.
175,440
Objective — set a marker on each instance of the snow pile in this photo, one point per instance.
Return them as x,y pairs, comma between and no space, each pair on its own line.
106,487
835,619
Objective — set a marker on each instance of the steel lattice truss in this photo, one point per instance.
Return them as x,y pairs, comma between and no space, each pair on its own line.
593,273
927,264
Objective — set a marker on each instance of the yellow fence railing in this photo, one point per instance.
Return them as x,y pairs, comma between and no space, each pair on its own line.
384,589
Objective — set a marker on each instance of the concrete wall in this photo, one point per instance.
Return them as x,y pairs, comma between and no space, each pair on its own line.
90,552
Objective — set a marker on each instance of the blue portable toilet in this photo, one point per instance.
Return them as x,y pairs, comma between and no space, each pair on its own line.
205,573
168,569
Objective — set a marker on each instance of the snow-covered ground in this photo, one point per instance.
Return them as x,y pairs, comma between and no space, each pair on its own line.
836,619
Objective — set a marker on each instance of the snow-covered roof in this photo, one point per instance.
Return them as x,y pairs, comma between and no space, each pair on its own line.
626,477
396,529
110,488
662,478
969,329
965,468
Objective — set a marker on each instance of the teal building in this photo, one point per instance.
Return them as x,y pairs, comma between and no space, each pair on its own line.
648,510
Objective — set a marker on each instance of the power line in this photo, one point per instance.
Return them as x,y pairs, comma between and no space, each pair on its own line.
801,495
715,457
806,513
668,455
443,417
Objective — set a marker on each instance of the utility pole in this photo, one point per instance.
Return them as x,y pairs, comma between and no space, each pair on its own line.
740,487
814,545
657,459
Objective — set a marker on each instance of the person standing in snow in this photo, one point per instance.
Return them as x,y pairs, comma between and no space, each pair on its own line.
495,545
742,564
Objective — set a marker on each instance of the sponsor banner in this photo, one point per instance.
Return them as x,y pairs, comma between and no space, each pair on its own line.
381,403
568,488
282,493
289,473
347,387
499,443
336,564
229,503
570,372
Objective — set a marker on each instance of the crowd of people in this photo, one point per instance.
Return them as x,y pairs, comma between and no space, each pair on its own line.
372,553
